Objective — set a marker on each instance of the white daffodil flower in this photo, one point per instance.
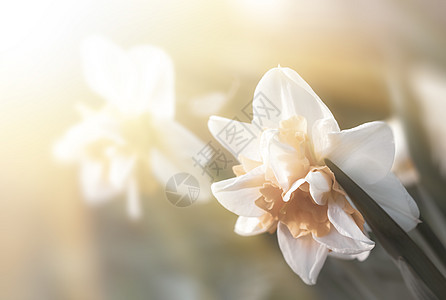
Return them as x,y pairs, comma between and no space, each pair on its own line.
283,183
135,131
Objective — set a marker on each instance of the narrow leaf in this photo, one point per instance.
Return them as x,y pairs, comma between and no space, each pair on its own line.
392,237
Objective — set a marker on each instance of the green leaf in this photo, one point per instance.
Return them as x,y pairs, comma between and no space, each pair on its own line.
393,238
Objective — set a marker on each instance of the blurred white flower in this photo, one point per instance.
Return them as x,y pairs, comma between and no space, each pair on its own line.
284,184
403,166
429,84
135,131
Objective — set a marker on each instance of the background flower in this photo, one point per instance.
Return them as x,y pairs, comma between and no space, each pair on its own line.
134,131
429,86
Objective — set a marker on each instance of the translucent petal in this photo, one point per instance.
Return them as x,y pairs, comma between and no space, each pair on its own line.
136,81
391,195
282,89
304,255
238,194
365,153
342,244
345,224
239,138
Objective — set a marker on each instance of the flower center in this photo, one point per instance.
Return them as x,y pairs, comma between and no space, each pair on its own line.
133,138
301,214
294,133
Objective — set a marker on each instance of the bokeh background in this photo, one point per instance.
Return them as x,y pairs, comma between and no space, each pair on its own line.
55,246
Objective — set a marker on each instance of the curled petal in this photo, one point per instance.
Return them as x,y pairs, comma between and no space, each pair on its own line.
290,95
297,184
239,194
391,195
365,153
304,255
248,226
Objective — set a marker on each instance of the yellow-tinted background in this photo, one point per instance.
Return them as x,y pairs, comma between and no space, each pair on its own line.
54,246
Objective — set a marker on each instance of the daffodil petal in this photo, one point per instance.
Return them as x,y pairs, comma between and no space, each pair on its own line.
248,226
391,195
402,167
304,255
321,129
108,70
342,244
239,138
72,146
345,224
154,83
239,194
135,81
120,168
96,187
284,90
293,188
133,200
365,153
